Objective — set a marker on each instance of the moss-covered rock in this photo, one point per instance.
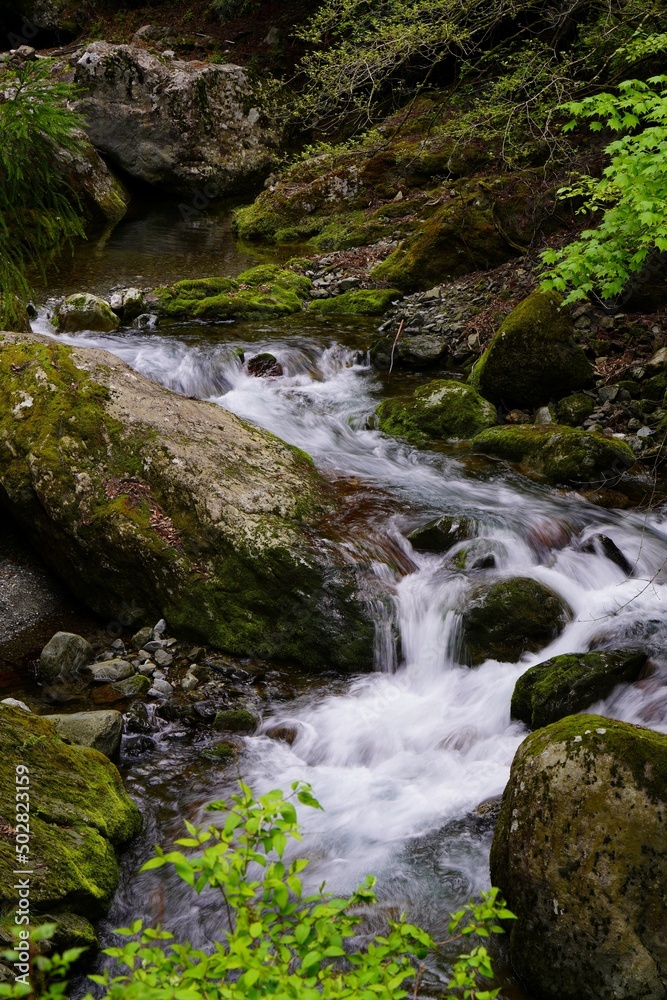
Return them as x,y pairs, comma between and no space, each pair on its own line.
441,533
560,454
511,617
566,684
443,410
579,855
366,302
149,504
266,290
236,720
574,409
533,357
481,224
85,312
79,812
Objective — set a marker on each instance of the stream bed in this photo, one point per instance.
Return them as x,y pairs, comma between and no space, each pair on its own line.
402,758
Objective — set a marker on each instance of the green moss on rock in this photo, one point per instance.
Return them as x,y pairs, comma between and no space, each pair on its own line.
511,617
561,454
236,720
566,684
266,290
85,312
366,302
79,812
441,410
578,853
574,409
533,357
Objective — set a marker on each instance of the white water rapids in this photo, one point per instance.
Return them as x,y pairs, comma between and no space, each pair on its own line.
401,757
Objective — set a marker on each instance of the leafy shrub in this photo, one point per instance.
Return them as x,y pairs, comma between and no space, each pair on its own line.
279,942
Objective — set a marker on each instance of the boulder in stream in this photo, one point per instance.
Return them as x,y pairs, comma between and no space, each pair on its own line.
441,533
568,683
190,128
533,357
561,454
84,311
79,814
509,618
64,655
442,410
99,730
579,855
149,504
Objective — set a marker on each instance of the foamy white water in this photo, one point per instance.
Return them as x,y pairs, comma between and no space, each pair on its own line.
412,749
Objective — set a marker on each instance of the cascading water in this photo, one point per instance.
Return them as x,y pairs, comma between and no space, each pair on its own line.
401,758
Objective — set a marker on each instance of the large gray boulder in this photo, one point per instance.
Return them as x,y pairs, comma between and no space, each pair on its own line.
190,128
149,504
99,730
84,311
580,855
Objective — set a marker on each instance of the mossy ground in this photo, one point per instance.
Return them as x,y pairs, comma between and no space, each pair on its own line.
266,290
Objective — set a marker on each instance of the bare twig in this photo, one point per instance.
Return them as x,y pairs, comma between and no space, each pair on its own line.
393,346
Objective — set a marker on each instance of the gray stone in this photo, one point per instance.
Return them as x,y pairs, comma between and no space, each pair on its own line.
84,311
15,703
186,127
99,730
110,671
64,655
132,687
161,687
163,658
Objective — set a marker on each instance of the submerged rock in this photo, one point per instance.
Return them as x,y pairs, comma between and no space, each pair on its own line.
441,410
85,312
190,128
561,454
511,617
79,814
99,730
150,504
440,534
265,365
533,357
566,684
579,855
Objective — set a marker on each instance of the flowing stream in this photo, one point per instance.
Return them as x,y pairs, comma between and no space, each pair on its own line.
401,758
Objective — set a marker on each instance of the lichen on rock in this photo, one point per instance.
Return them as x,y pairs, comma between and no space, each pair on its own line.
579,855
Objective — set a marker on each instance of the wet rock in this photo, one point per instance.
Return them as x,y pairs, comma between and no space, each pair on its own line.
63,656
222,751
136,720
610,499
575,409
99,730
477,554
110,671
533,357
218,516
132,687
441,410
578,853
569,683
602,545
189,128
102,196
160,688
236,720
264,365
440,534
283,733
85,312
511,617
561,454
79,814
137,746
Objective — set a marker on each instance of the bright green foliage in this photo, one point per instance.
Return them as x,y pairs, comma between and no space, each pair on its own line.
279,943
36,208
631,193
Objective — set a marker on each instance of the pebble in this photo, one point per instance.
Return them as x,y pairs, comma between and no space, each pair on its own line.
154,645
160,688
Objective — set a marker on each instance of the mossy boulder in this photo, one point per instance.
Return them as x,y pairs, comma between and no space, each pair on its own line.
579,855
85,312
236,720
442,410
266,290
366,302
149,504
533,357
569,683
509,618
574,409
79,814
561,454
441,533
481,224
